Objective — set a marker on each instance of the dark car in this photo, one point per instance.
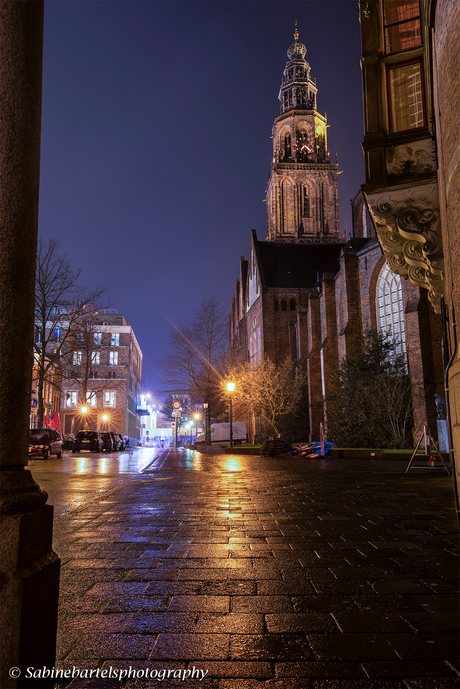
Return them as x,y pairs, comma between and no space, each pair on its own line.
122,441
116,441
44,442
107,441
87,440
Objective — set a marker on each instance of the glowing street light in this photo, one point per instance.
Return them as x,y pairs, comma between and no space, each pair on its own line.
84,411
230,388
197,417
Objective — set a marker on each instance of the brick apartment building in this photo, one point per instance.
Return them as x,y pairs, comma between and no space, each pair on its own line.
411,84
306,292
104,372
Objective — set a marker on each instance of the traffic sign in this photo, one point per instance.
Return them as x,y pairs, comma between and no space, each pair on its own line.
176,404
176,413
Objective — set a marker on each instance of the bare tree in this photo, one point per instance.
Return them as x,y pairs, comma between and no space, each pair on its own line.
59,303
195,360
268,391
86,362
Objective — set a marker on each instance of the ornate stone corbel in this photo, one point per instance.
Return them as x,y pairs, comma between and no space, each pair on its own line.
407,222
410,159
366,8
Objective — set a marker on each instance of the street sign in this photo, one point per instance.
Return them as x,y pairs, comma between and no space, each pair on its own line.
176,404
173,424
176,413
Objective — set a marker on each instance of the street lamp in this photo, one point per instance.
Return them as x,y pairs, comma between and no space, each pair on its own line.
84,411
230,388
105,418
207,430
197,417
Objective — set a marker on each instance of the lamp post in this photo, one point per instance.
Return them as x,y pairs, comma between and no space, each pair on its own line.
207,430
105,418
197,417
230,388
84,412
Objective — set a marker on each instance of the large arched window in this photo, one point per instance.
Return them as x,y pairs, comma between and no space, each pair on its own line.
390,313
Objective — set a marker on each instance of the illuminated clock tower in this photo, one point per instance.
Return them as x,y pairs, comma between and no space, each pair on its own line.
302,190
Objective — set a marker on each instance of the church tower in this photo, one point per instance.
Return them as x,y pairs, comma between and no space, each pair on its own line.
302,190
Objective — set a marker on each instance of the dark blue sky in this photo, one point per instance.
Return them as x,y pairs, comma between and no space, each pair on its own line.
156,143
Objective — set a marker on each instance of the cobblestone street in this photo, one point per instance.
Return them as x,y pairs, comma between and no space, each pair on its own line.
260,573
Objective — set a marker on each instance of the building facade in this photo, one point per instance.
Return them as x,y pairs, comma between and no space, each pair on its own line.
411,81
103,372
309,294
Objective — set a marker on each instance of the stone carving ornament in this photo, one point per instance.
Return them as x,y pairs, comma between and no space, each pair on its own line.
408,228
418,158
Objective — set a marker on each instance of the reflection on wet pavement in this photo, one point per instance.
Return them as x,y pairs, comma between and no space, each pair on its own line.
77,480
262,572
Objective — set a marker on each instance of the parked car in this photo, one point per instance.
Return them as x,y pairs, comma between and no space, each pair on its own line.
107,441
44,442
87,440
116,441
122,441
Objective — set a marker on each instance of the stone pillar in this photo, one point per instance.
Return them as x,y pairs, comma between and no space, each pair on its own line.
29,568
329,341
315,392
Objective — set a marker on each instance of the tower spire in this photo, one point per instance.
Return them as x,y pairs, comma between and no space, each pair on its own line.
302,190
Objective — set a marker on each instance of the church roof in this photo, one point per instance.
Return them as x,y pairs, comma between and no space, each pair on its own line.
297,265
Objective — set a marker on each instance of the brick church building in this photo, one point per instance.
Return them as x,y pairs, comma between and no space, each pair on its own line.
308,293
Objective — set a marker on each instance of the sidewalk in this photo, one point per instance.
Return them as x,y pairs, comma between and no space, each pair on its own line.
263,573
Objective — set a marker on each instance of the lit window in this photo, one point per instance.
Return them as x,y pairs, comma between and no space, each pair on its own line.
77,358
91,399
57,334
71,398
115,339
405,91
109,398
97,338
390,312
113,358
402,25
95,357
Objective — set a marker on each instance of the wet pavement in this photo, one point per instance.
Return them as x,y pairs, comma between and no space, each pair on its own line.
247,572
78,479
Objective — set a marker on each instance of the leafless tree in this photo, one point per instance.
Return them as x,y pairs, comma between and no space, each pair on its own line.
195,360
85,362
59,303
268,391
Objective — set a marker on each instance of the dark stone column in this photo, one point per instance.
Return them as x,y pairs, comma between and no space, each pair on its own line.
29,568
315,392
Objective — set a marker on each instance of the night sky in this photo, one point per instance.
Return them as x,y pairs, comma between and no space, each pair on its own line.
156,144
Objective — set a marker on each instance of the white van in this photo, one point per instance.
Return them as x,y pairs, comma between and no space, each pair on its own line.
220,434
